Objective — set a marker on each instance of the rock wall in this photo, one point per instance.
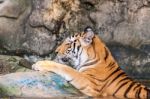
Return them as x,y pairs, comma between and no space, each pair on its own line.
13,17
38,26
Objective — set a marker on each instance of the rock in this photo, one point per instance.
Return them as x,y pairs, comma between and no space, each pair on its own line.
16,80
35,84
133,61
45,22
40,30
135,33
4,68
13,16
10,64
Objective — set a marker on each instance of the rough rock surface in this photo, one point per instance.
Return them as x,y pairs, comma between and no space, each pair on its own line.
35,84
11,64
37,26
13,17
134,62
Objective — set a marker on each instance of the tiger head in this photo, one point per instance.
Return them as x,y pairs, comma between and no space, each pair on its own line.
80,50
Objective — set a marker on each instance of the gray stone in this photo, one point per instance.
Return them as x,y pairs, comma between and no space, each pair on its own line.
35,84
133,61
13,16
10,64
40,29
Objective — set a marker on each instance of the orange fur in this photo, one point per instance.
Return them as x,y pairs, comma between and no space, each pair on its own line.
95,73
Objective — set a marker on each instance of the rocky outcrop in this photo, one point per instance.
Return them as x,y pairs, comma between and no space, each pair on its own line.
36,85
37,26
18,81
11,64
13,17
133,61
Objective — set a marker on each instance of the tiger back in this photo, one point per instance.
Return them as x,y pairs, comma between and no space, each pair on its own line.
93,69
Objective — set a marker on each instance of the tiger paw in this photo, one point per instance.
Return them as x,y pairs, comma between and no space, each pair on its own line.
43,66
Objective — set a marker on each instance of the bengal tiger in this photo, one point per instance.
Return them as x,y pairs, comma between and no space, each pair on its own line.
94,71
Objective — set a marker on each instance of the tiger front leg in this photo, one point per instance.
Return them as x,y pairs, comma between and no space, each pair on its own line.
60,69
44,66
76,78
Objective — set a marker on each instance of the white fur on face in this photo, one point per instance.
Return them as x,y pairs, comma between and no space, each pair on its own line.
76,53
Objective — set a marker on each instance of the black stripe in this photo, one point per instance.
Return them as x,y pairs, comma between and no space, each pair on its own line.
124,79
74,44
69,81
148,93
116,70
78,47
93,82
73,35
138,85
100,90
103,87
111,65
80,34
122,73
128,89
93,76
137,94
96,89
90,74
120,87
107,53
76,35
81,52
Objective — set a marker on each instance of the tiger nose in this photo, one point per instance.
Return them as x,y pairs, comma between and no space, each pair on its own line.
65,59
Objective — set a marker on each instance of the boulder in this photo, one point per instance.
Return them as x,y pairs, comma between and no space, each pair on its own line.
133,61
11,64
35,84
13,17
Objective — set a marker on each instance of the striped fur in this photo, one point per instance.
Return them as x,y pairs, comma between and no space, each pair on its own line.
95,72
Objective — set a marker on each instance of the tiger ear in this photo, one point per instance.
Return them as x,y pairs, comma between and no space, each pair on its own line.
89,34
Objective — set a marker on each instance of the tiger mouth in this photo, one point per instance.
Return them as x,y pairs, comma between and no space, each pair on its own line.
64,60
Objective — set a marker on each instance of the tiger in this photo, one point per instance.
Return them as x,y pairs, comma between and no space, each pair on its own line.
85,61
